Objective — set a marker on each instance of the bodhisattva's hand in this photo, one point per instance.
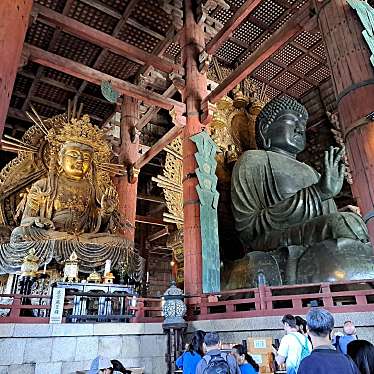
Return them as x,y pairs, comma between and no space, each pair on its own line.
44,223
109,201
331,181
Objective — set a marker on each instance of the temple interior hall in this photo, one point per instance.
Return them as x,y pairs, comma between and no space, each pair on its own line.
169,166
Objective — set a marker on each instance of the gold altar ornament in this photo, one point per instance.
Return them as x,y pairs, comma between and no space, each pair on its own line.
71,269
94,277
30,265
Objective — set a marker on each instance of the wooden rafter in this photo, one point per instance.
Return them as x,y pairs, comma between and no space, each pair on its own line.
94,76
150,220
289,30
153,111
52,43
126,14
158,147
152,199
235,21
103,40
159,234
266,29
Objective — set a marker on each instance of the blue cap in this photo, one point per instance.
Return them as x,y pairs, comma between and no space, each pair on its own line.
100,363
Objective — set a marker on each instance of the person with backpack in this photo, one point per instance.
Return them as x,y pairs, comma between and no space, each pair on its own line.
324,359
215,361
193,354
293,347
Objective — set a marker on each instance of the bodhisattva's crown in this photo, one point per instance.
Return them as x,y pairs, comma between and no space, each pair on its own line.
80,131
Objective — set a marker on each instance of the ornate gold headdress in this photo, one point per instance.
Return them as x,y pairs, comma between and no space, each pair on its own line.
71,127
80,131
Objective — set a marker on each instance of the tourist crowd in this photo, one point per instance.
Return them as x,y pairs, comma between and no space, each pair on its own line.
308,347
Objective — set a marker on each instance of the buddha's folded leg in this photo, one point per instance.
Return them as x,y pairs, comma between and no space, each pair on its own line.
330,226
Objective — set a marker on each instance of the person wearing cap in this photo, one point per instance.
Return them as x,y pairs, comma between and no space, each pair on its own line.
101,365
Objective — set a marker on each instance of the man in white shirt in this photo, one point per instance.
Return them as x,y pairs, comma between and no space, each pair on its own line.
293,347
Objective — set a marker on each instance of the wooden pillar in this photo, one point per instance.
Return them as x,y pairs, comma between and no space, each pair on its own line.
195,90
127,185
353,79
14,16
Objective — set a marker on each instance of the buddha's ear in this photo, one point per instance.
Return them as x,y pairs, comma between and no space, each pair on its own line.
266,141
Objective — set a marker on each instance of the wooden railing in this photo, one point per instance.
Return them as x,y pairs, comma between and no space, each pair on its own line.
350,296
353,296
92,308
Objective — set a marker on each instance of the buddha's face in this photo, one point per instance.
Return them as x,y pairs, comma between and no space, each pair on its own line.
287,132
75,160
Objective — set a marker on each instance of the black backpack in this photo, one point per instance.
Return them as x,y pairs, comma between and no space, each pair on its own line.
216,364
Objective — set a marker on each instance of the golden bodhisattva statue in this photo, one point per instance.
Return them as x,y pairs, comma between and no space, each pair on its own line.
74,207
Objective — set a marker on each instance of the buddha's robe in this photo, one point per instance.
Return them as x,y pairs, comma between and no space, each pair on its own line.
276,203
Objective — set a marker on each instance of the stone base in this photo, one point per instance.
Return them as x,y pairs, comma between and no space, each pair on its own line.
328,261
68,348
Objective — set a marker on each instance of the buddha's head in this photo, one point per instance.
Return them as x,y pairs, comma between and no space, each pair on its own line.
280,126
75,160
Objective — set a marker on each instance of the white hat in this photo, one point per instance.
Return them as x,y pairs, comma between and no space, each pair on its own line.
100,363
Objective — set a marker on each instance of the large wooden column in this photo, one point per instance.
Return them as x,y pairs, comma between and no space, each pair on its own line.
195,90
127,185
14,16
353,78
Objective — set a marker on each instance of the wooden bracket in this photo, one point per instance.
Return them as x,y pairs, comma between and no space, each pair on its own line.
132,174
24,59
178,81
204,61
207,110
177,118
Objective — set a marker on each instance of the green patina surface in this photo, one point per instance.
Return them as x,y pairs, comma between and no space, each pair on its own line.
366,14
208,195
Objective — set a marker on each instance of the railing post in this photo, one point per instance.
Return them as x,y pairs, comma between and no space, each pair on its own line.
297,304
139,313
203,305
262,296
15,308
326,295
361,299
268,298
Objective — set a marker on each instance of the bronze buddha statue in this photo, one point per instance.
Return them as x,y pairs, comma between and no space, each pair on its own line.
281,203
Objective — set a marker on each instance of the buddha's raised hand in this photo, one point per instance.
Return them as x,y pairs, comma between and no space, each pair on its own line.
332,178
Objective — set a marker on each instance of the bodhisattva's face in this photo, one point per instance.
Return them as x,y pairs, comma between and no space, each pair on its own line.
76,160
287,132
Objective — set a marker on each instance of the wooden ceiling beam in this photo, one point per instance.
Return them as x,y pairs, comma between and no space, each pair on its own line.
234,22
146,118
52,42
94,76
159,234
129,8
113,13
292,71
265,51
150,220
152,199
104,40
158,147
141,27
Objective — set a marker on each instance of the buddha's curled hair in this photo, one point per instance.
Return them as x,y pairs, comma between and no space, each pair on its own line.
270,112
